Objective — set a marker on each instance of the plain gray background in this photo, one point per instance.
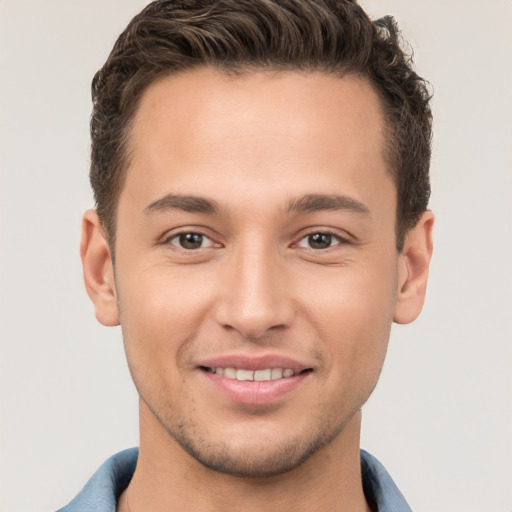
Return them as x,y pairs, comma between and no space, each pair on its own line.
441,417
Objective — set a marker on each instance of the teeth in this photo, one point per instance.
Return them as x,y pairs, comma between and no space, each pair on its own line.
258,375
277,373
230,373
262,374
244,375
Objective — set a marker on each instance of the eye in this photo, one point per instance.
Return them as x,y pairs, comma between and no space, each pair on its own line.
191,241
319,241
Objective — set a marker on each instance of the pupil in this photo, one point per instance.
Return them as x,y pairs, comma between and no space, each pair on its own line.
320,241
191,240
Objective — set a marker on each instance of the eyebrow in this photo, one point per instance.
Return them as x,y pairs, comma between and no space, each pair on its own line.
309,203
186,203
312,203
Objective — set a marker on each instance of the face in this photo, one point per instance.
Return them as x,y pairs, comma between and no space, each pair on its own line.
256,266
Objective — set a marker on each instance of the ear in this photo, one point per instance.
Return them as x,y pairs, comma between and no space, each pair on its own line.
413,265
98,269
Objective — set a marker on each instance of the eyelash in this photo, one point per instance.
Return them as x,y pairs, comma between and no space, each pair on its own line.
339,239
176,236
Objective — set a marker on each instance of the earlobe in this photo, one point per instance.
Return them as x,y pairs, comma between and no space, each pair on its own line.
98,269
414,262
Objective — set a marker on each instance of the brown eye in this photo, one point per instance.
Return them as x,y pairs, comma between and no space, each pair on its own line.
189,241
319,241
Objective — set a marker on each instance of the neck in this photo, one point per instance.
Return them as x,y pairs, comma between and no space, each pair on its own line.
168,478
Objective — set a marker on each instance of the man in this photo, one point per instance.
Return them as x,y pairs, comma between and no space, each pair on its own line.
261,177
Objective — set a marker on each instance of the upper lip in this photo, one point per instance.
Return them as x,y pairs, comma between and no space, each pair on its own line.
261,362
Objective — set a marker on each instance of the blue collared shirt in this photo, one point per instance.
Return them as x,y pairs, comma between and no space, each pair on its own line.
101,492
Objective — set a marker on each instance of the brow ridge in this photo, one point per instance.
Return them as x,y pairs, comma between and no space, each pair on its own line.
311,203
186,203
308,203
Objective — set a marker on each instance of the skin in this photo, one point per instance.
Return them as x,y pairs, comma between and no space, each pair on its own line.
258,148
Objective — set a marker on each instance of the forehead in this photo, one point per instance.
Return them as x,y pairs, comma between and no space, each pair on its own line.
196,128
201,99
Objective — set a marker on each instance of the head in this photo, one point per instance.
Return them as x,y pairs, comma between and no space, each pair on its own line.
330,36
256,167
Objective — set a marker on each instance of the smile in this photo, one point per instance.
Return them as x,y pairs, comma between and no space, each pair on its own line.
253,375
255,382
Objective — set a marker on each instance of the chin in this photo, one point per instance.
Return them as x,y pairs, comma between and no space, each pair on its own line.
255,461
252,452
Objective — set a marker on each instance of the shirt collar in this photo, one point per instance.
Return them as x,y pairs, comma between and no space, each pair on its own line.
380,491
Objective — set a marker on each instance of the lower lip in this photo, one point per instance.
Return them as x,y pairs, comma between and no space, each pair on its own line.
249,392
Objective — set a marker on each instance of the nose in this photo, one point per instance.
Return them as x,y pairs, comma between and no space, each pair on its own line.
256,295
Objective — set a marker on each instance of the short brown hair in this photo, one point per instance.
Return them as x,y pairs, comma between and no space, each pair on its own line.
237,36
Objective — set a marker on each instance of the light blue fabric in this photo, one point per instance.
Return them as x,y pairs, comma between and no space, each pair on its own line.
101,492
380,491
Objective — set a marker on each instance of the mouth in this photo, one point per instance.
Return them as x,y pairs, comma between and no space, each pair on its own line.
255,381
261,375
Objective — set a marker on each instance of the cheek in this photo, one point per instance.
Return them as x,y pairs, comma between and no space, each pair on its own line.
352,312
160,311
